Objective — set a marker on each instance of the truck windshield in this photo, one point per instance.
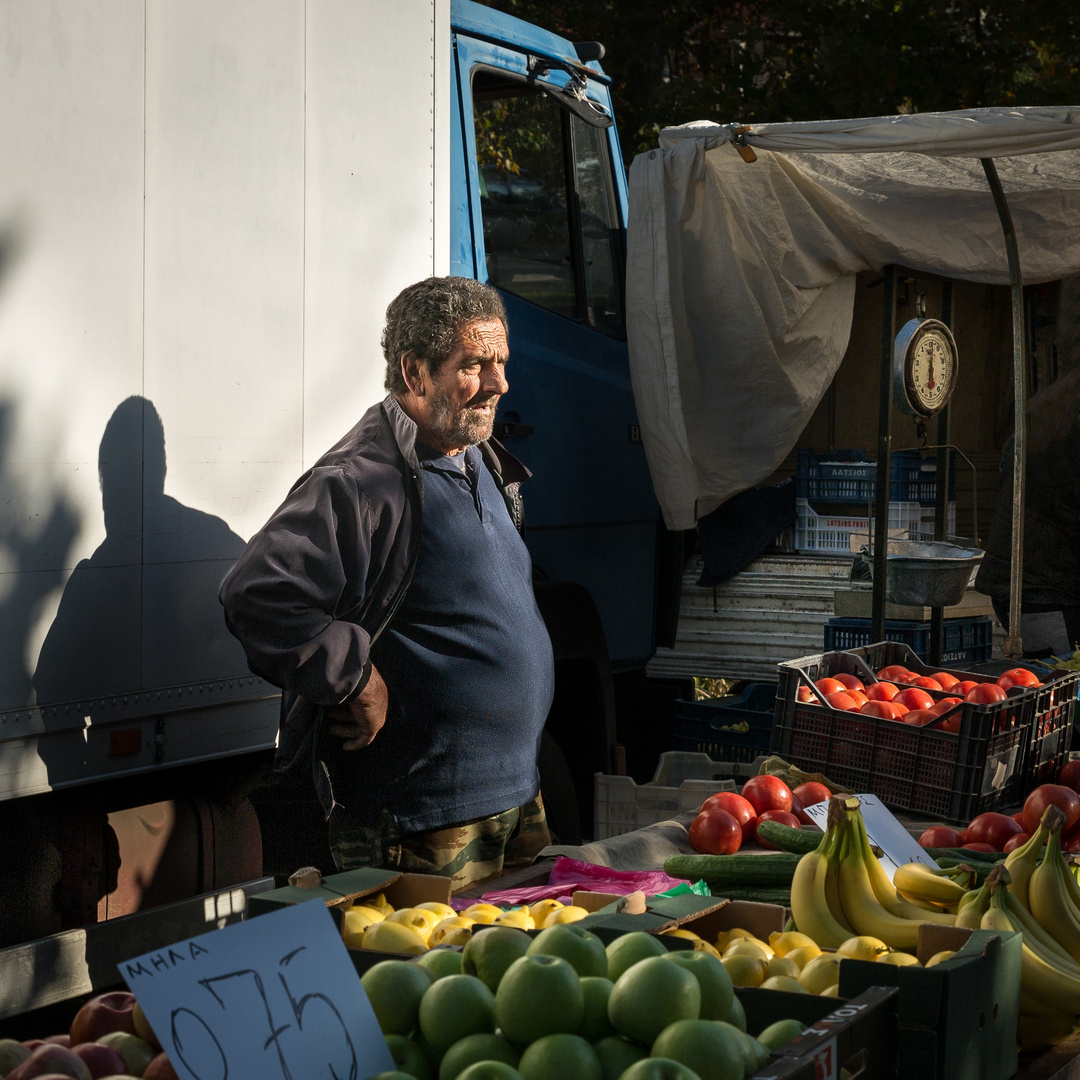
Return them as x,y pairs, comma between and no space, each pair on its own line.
551,231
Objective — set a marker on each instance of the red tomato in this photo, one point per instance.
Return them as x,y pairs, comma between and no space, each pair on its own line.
767,793
783,817
915,698
812,792
979,847
896,703
882,691
920,717
945,704
964,688
887,710
850,681
1045,794
715,832
1018,676
859,696
947,681
828,686
1016,840
1070,841
940,836
806,695
892,671
928,683
1070,774
1018,817
742,810
985,693
842,700
990,828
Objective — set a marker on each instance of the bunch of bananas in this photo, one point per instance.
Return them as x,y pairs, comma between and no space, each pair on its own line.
840,890
1040,900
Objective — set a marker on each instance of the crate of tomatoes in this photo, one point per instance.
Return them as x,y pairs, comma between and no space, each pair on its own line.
948,743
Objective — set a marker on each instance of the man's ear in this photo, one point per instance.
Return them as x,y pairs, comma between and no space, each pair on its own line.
414,372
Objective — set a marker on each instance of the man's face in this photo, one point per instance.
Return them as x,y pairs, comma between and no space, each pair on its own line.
458,408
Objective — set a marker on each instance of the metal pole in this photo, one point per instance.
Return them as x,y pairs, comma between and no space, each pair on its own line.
941,502
1014,647
884,461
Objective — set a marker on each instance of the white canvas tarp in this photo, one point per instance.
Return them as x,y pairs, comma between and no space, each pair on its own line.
741,277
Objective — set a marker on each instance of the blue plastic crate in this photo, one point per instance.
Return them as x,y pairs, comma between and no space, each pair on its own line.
968,640
848,476
737,728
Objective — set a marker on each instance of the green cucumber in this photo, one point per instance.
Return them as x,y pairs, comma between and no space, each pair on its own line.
786,838
761,894
720,872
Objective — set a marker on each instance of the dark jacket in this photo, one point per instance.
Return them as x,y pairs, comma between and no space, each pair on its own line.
322,579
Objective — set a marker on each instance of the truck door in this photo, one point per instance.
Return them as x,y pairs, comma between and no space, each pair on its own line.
539,197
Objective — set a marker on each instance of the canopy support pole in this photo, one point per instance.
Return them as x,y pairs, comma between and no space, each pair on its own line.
884,458
1014,648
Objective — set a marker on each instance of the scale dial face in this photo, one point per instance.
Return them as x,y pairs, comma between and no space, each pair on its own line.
925,367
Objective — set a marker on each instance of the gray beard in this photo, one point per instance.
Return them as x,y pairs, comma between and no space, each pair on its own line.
458,426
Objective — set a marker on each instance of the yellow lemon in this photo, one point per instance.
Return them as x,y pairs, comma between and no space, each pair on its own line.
374,913
482,913
393,937
744,936
831,991
378,902
689,935
354,922
543,908
453,931
862,947
422,922
444,911
783,942
744,969
802,955
900,959
749,948
782,966
519,917
940,957
570,913
782,982
821,972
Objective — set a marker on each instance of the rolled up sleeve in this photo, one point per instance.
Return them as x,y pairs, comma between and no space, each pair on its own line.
299,575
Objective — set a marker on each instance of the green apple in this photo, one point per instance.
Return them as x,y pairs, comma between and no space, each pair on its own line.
12,1054
483,1046
627,949
410,1057
440,962
394,988
491,950
746,1046
560,1057
490,1070
538,996
616,1055
392,1074
649,996
713,981
780,1032
596,992
453,1007
705,1047
737,1016
651,1068
581,948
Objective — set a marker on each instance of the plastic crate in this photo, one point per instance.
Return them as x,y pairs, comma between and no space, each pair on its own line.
737,728
831,533
683,781
849,476
994,760
968,640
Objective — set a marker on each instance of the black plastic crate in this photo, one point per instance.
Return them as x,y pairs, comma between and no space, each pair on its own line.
729,728
992,762
848,476
968,640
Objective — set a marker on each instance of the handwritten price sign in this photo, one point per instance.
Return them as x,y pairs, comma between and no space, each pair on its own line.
275,996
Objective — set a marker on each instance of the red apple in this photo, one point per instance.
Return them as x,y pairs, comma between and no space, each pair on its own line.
59,1040
100,1060
102,1014
160,1069
50,1059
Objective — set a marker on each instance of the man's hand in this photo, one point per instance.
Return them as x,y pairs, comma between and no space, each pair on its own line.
359,721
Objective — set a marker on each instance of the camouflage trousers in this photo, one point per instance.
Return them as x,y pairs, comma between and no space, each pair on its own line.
468,853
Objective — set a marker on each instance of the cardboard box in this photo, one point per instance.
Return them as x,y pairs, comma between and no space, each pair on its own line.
958,1019
859,1035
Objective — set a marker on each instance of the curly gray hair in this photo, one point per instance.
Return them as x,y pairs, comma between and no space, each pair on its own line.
426,320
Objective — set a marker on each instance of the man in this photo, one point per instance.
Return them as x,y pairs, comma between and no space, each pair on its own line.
390,597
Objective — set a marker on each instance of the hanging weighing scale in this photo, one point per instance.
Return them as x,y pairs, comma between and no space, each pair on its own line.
925,366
